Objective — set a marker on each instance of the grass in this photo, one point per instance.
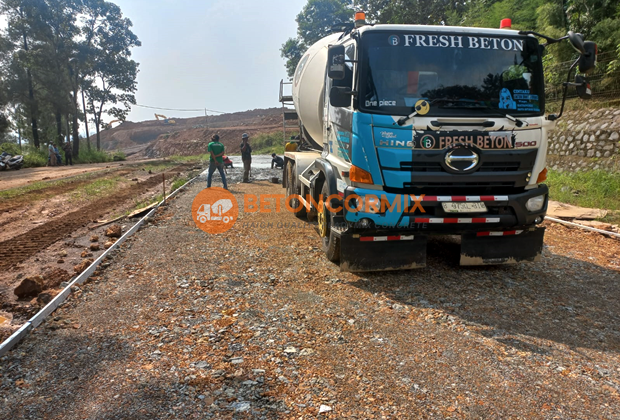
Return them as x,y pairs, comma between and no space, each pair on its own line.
35,186
596,189
195,158
157,167
179,182
268,143
101,187
92,156
43,185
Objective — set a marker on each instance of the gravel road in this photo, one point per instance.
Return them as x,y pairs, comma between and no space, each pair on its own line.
256,323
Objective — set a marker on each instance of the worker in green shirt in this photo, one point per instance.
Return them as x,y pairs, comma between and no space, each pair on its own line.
216,150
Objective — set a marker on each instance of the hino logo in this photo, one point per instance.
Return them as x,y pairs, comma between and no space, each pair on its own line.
459,158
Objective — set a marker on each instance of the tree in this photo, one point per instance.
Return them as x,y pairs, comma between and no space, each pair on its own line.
52,51
315,21
113,76
21,17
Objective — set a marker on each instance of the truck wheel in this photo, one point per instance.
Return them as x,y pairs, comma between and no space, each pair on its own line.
292,188
331,243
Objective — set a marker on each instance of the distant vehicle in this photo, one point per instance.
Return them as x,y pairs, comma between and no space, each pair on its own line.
410,131
109,125
11,162
215,211
167,121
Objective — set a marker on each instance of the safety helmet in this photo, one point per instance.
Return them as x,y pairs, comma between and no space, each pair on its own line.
245,136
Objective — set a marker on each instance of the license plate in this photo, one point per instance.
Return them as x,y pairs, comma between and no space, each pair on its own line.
464,207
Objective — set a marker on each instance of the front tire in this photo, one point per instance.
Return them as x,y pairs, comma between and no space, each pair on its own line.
331,242
292,189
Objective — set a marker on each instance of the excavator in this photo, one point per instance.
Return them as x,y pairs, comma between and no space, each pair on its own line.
166,120
109,125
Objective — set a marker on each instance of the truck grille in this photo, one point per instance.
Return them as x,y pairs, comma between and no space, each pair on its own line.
436,167
499,170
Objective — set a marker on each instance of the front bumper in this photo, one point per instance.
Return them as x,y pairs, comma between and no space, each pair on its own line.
390,212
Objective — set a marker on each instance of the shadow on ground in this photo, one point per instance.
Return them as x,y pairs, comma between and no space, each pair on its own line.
560,299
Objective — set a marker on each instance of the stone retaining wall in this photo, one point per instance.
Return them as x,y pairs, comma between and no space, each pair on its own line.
586,140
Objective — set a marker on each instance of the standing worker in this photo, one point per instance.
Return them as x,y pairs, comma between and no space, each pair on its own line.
51,158
216,150
68,148
246,157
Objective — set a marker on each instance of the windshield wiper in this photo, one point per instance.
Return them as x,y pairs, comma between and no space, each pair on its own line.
404,119
417,108
518,122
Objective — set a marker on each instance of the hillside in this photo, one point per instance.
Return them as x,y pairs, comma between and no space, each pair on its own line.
189,136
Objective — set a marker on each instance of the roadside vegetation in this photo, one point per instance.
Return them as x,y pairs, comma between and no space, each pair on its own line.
34,157
268,143
596,189
194,158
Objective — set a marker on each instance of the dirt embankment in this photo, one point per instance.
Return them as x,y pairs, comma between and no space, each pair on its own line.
188,136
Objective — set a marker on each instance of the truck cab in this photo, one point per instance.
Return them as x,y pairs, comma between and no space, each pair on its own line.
422,130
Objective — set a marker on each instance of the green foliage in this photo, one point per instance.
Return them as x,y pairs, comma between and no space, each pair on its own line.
53,51
92,156
34,158
314,22
119,155
292,50
597,189
268,143
10,148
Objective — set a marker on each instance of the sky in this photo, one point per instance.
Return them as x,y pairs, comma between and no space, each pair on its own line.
222,55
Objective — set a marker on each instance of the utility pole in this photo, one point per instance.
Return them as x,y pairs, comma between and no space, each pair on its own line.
206,118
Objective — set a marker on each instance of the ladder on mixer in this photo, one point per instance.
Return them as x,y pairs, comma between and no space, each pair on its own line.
289,116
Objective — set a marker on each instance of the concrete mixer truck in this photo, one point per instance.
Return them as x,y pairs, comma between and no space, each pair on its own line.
409,131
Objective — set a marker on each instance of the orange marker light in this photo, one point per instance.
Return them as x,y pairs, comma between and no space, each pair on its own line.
505,24
542,176
359,175
360,19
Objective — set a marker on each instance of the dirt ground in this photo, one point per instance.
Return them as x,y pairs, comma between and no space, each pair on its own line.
15,179
256,323
48,231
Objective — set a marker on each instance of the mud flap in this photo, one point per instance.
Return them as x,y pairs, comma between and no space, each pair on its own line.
360,253
488,250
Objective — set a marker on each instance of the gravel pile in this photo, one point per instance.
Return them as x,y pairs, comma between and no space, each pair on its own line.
256,323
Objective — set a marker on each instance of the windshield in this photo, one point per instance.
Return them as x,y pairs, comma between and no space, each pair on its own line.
463,74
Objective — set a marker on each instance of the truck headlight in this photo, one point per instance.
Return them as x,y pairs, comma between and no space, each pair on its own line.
535,203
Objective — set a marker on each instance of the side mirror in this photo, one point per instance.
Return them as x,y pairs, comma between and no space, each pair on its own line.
335,62
340,96
576,41
587,61
583,87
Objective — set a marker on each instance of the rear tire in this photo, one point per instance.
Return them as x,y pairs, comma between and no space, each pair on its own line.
291,189
331,242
